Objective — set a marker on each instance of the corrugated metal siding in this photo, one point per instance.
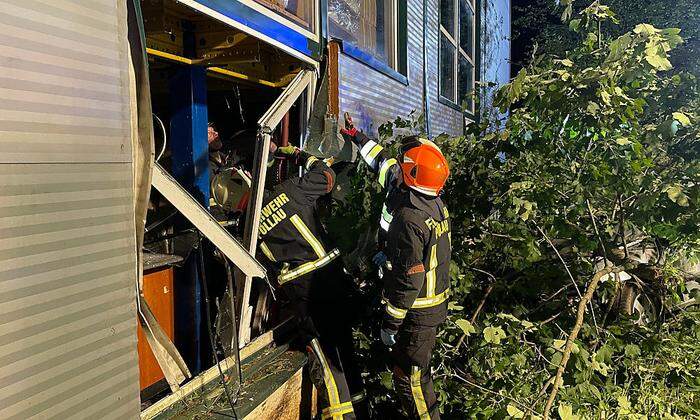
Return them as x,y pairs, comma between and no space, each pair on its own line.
67,253
374,98
62,72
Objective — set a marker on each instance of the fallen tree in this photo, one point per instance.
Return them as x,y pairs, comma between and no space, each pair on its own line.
597,166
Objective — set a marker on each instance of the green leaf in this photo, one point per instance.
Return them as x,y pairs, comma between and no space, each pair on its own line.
515,412
494,335
386,380
645,29
574,24
632,350
658,62
566,62
566,412
466,326
622,141
681,118
675,194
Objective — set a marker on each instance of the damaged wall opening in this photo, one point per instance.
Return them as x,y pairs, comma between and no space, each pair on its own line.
210,86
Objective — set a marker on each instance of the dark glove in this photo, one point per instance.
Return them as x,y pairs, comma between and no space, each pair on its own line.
379,259
388,337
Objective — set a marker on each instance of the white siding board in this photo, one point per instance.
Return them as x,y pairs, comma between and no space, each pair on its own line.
67,240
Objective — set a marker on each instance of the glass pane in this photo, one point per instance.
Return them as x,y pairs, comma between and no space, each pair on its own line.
447,67
466,27
466,83
368,25
299,11
447,15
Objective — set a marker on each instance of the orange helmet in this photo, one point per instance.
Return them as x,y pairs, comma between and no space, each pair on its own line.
425,168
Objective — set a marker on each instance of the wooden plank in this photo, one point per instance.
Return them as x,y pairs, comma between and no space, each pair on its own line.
283,404
333,91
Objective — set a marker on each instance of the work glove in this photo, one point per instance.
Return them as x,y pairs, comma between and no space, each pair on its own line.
388,337
286,151
379,259
349,132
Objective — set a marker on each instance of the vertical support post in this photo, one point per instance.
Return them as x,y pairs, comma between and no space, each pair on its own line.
190,166
250,234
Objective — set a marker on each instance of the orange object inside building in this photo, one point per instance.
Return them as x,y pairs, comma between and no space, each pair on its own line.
158,291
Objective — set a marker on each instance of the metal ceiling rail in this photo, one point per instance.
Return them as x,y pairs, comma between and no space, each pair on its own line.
216,70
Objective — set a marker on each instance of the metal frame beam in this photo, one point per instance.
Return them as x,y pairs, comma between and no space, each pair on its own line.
266,126
205,223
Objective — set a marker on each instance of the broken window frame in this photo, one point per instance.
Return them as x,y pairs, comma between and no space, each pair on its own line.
303,82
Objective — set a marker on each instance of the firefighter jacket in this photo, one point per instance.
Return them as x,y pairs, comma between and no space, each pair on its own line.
290,231
416,230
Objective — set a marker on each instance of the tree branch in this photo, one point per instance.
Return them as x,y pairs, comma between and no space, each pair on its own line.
573,334
560,258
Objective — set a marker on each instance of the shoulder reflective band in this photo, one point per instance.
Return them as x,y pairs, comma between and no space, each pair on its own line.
445,212
308,236
337,411
264,248
310,161
417,391
428,302
430,275
384,169
333,397
369,152
385,220
397,313
308,267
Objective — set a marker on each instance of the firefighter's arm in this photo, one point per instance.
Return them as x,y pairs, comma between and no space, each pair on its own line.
374,155
319,178
407,274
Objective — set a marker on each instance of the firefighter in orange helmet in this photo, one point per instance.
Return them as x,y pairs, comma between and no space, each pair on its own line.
415,225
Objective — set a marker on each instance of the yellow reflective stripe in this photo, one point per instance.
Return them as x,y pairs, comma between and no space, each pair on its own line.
386,215
307,267
267,252
331,388
306,233
310,161
397,313
374,152
337,411
384,169
445,212
428,302
417,391
430,275
364,151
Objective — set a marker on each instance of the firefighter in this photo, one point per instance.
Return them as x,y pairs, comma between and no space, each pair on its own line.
311,274
416,254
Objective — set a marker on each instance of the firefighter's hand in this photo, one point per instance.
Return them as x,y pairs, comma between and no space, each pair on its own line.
286,151
349,132
379,259
388,337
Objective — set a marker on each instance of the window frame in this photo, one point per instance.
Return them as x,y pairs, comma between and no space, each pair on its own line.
398,68
474,60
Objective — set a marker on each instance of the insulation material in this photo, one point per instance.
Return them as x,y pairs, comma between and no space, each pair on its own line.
324,138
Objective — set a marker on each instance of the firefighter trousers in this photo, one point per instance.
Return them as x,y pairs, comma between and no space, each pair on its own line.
411,369
323,303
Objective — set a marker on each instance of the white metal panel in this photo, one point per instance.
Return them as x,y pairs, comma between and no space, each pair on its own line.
63,82
67,240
